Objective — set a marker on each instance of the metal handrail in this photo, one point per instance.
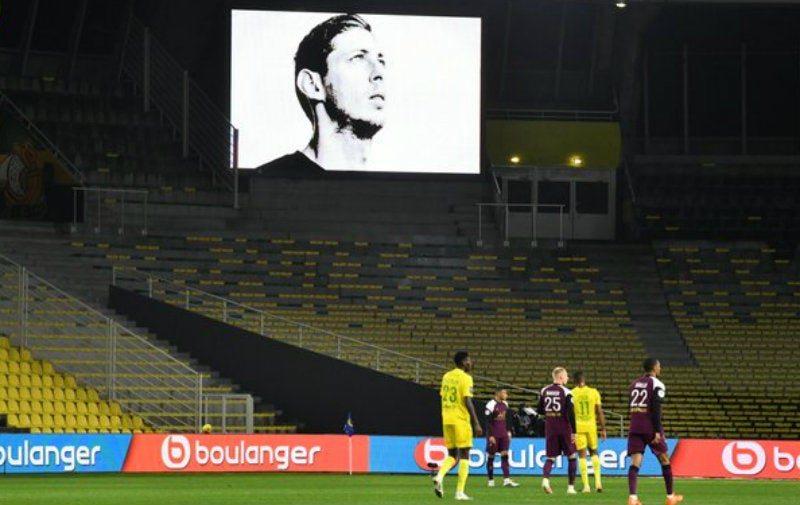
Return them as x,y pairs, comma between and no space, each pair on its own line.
534,214
122,191
204,128
41,137
183,289
110,353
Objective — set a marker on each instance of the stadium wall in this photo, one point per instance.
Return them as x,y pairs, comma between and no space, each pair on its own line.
316,390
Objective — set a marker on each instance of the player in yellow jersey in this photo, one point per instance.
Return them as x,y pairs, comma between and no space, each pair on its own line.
458,422
588,411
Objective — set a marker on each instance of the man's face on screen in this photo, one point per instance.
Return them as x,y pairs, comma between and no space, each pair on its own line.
354,83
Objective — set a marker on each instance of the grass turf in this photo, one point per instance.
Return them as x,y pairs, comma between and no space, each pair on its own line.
308,489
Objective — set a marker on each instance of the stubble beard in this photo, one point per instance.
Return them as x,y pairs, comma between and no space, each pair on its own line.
362,129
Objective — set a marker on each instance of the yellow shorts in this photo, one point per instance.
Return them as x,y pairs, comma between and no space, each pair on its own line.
586,439
457,436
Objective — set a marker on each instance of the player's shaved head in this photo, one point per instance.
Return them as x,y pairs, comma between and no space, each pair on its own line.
557,371
649,364
579,377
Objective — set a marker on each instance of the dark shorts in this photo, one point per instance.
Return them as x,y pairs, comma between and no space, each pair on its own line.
501,444
559,444
638,441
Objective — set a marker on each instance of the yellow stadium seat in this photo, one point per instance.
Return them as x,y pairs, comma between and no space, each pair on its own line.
23,420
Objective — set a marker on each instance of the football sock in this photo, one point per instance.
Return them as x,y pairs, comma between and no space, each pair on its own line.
598,482
548,467
504,465
463,473
572,467
584,471
447,464
633,479
666,470
490,467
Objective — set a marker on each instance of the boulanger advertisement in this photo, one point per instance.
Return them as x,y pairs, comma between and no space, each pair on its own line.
171,453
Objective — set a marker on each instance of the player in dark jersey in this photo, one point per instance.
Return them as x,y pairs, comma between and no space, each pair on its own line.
498,435
555,405
646,430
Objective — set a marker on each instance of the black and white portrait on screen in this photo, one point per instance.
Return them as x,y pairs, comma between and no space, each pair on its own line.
315,92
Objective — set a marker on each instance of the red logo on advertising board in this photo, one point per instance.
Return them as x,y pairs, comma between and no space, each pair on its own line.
430,453
757,459
245,453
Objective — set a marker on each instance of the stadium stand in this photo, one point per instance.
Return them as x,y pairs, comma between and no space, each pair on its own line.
148,379
718,202
35,398
520,312
736,304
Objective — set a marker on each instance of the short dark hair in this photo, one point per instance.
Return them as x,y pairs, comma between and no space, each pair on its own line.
459,357
500,388
649,364
312,52
578,377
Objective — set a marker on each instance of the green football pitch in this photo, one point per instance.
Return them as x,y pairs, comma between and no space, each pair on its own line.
279,489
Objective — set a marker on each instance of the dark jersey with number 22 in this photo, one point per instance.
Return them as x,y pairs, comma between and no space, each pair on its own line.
646,395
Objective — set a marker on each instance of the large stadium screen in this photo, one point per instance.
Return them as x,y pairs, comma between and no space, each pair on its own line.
376,93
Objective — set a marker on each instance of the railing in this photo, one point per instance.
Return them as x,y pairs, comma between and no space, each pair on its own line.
302,335
123,367
41,138
295,333
117,209
204,128
534,220
229,412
